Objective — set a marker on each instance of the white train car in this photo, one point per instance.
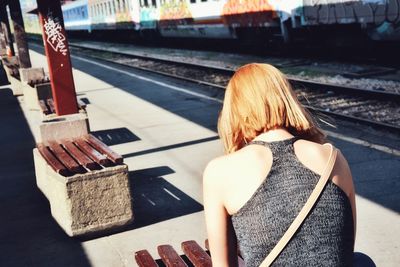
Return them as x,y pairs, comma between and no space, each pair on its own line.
76,16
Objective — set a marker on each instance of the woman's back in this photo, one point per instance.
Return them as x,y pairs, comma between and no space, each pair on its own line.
254,192
266,186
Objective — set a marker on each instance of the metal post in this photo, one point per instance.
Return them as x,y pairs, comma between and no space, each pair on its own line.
19,34
58,56
5,25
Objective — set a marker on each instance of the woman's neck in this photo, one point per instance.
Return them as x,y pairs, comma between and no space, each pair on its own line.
274,135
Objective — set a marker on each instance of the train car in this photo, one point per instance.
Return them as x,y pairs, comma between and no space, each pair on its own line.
219,19
380,19
76,16
289,21
114,14
237,19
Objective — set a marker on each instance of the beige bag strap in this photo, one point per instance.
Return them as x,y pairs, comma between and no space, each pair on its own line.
304,211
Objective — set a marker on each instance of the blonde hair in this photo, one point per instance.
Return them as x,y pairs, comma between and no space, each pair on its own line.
259,98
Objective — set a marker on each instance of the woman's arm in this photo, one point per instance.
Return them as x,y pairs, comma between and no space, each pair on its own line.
342,177
221,236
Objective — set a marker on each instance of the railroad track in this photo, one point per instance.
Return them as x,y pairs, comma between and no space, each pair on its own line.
375,108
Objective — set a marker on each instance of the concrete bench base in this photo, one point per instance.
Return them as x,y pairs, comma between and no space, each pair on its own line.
63,127
32,95
86,203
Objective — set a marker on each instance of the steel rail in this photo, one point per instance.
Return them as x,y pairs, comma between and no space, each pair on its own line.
296,82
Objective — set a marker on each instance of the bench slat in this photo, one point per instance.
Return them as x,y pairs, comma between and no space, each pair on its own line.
196,254
43,107
65,158
92,153
101,147
80,157
54,163
170,257
144,259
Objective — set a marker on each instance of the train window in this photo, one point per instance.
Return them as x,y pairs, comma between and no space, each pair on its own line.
146,3
117,6
203,0
123,5
112,7
193,1
154,3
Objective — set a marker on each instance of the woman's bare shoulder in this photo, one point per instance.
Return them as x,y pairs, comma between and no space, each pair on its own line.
225,166
313,155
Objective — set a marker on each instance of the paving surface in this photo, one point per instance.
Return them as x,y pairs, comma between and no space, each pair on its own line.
166,131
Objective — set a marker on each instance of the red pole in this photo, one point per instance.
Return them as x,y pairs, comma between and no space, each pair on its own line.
58,56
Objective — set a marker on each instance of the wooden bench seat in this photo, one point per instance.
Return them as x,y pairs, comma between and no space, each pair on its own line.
195,256
47,106
79,155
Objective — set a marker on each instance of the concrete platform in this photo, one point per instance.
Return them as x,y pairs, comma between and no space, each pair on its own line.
166,131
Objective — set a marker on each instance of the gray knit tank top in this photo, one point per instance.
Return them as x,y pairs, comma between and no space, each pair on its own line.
326,236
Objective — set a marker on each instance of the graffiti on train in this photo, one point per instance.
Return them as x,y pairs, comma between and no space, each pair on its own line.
175,12
235,12
349,11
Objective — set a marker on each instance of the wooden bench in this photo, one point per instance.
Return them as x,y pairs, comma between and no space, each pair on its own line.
79,155
86,183
47,106
195,256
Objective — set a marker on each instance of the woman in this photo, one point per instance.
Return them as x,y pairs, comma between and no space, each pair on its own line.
274,158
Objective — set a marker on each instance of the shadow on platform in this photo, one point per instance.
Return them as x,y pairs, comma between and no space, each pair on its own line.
376,174
156,200
163,148
116,136
29,236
